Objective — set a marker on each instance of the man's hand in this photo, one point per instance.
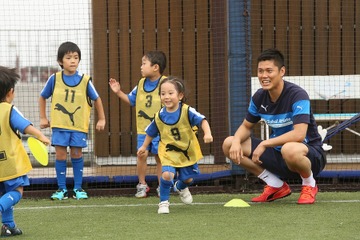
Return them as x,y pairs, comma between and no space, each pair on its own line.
236,153
259,150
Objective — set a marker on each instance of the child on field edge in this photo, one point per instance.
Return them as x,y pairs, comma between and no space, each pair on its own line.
71,95
145,97
14,160
179,149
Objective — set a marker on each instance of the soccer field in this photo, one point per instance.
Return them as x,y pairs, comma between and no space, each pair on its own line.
333,216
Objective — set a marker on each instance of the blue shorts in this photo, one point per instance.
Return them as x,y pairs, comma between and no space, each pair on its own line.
69,139
153,146
273,161
12,184
183,173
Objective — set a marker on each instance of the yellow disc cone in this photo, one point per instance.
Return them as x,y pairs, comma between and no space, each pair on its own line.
236,203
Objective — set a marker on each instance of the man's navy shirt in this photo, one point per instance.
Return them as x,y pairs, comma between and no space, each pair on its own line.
292,107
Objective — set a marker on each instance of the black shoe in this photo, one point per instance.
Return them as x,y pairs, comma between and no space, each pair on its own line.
9,232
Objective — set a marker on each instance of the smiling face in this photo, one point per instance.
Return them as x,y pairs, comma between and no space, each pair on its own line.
271,78
70,62
170,96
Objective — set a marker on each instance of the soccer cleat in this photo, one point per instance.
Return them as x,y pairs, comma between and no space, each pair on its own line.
271,193
308,194
164,207
158,191
142,190
185,194
60,194
80,194
9,232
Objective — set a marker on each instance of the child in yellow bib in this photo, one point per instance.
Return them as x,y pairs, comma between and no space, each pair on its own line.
179,149
14,160
72,95
145,98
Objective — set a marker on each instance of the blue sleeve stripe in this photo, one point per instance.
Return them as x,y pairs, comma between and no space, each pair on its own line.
18,121
253,109
301,107
93,94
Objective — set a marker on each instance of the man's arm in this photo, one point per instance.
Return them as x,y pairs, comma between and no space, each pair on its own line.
242,134
298,134
244,131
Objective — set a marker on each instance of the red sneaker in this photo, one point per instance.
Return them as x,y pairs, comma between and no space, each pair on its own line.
271,193
308,194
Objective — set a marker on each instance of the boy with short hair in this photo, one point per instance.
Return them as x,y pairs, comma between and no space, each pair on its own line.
14,160
145,97
71,95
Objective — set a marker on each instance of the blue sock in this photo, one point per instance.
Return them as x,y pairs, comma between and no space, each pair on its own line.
60,168
78,167
165,189
180,185
8,217
9,200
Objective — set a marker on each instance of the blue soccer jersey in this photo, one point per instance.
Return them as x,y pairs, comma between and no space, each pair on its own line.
71,80
195,119
148,86
292,107
18,121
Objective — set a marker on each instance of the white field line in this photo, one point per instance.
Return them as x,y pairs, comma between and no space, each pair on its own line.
145,205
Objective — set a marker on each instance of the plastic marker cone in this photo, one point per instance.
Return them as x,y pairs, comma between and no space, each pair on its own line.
236,203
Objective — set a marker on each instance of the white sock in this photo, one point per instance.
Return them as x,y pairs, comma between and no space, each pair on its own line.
271,179
309,181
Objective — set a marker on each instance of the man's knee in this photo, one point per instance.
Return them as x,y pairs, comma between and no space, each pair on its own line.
293,150
227,144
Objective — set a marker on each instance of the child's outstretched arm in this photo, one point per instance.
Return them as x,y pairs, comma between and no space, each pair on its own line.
146,143
31,130
44,122
116,88
207,131
100,125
